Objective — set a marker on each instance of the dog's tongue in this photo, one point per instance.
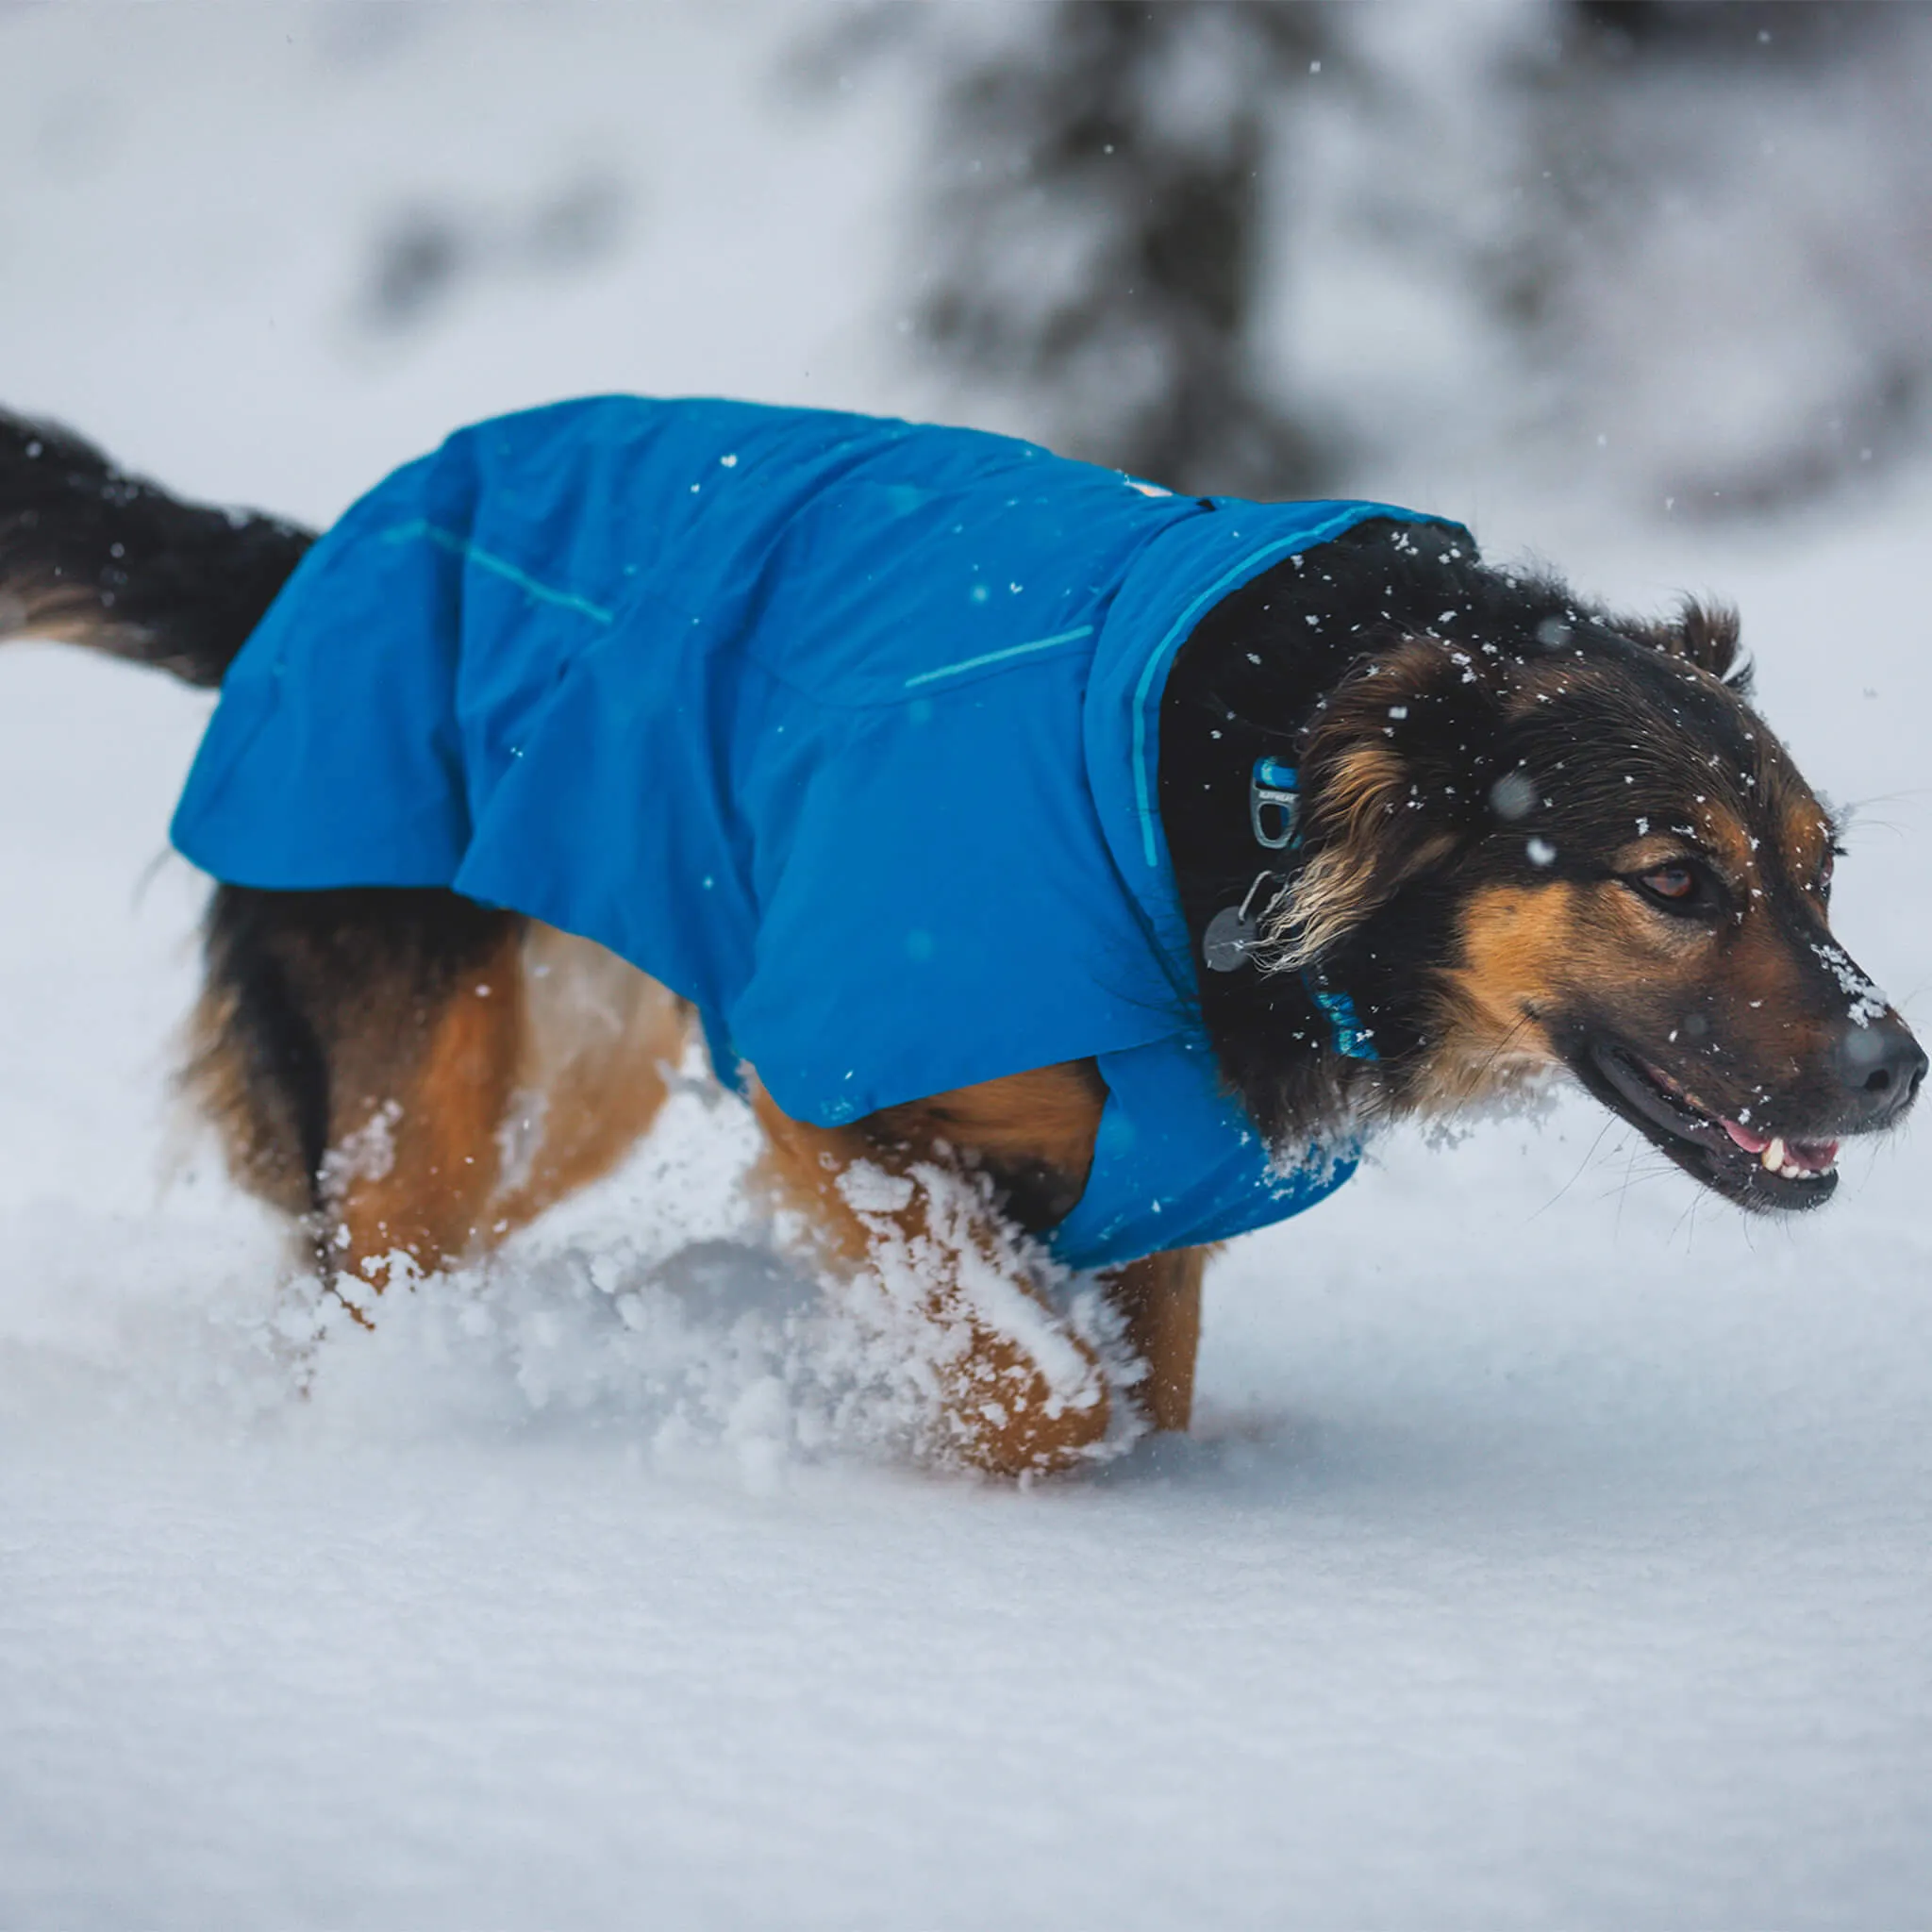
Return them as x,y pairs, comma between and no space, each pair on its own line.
1815,1156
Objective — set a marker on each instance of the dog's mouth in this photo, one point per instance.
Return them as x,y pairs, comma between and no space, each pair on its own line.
1755,1168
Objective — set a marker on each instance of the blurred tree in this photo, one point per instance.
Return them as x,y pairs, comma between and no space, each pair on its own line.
1724,231
1617,30
1675,246
1095,226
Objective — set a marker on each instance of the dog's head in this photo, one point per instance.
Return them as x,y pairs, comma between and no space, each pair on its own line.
1587,850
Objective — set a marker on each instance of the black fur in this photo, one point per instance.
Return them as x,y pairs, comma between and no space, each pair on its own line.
1256,677
89,551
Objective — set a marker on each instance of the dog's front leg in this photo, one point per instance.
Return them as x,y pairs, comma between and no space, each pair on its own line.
1159,1301
1020,1393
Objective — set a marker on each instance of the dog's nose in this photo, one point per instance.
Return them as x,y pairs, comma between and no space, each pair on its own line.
1881,1065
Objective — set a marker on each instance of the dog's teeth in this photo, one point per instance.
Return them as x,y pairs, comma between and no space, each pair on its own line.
1774,1156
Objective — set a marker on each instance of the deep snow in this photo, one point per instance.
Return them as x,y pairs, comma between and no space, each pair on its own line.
1554,1549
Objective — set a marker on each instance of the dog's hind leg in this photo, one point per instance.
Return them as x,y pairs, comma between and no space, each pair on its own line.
597,1045
413,1074
356,1050
1020,1391
416,1153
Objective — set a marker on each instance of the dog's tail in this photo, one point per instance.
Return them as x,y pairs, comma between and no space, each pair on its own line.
92,555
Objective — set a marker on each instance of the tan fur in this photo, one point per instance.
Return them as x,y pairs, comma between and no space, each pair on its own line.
1517,944
453,1126
596,1041
414,1168
537,1071
1728,840
1047,1117
1337,888
1808,844
538,1079
1034,1131
1526,951
1008,1416
1360,845
62,613
1160,1299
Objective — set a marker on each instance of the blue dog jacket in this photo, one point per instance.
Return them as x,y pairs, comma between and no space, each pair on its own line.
845,729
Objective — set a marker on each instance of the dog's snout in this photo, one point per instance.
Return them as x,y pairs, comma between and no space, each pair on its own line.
1882,1066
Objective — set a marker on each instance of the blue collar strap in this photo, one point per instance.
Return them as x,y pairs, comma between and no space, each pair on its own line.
1352,1040
1275,817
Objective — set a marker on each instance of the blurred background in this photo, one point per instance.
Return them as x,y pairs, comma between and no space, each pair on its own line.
1659,260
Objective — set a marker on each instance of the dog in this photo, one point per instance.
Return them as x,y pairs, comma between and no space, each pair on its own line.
1066,873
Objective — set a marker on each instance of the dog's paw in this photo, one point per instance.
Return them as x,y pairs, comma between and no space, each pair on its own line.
1014,1386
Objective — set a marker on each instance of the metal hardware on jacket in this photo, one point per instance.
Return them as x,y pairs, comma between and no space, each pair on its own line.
1229,944
846,729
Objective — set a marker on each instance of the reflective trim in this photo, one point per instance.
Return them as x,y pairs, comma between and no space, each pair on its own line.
1063,637
497,566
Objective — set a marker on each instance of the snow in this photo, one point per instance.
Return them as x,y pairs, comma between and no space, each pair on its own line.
1556,1545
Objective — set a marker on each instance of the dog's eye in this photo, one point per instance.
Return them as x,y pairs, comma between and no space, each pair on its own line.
1678,887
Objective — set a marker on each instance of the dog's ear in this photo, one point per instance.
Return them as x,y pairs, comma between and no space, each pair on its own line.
1708,636
1394,781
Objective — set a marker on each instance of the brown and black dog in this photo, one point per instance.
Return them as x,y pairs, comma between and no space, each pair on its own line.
1532,836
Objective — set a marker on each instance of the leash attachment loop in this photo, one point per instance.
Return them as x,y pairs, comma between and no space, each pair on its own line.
1228,945
1274,803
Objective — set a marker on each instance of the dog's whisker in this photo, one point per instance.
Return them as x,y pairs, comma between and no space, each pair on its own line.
1589,1155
